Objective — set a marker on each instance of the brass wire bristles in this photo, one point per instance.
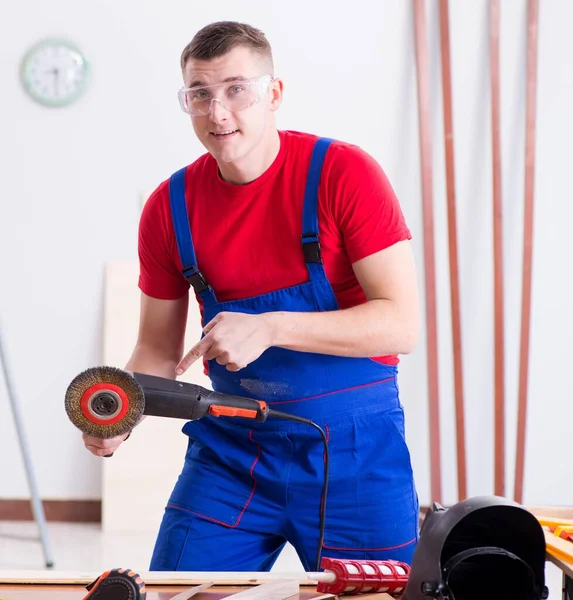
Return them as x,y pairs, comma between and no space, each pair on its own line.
104,402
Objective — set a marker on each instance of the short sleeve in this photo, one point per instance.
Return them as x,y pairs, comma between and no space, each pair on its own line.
159,269
363,203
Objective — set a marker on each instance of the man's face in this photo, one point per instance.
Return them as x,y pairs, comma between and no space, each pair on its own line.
230,132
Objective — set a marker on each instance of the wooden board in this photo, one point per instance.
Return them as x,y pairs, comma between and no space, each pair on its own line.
55,592
425,135
154,592
45,577
530,137
139,469
498,276
564,514
453,249
160,585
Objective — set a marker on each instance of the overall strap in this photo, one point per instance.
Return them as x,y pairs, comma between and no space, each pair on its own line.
184,240
310,242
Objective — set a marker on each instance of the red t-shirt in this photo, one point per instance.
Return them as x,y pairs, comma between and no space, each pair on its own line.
247,238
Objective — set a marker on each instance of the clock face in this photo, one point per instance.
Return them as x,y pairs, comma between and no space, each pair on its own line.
54,73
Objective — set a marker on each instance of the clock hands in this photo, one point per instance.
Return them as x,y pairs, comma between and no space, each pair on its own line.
56,73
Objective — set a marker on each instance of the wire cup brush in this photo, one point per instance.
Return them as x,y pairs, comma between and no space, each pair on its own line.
106,402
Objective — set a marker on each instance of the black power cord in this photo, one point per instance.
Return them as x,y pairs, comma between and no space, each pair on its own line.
275,414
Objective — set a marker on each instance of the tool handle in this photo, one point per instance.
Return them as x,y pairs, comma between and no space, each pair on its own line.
322,576
224,405
364,576
110,455
181,400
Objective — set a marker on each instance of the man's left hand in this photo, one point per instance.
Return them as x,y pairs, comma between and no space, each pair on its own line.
234,340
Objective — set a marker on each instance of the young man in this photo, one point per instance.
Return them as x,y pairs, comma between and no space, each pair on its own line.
300,258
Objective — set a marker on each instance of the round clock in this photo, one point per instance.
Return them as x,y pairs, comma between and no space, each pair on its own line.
54,73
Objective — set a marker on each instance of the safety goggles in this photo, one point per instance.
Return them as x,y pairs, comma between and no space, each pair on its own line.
234,95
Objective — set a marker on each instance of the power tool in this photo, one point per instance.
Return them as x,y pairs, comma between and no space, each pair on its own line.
106,402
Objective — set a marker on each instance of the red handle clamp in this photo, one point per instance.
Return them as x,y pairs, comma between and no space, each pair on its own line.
364,576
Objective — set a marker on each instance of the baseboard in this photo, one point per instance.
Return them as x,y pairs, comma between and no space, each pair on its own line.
68,511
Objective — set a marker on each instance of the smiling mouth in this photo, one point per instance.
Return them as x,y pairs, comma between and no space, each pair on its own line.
222,134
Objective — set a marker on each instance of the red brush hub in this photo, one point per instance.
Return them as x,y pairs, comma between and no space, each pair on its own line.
364,576
104,404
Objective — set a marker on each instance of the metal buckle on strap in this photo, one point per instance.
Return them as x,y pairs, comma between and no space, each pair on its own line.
196,279
311,248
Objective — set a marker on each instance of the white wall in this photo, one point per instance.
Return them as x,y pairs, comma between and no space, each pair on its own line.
349,72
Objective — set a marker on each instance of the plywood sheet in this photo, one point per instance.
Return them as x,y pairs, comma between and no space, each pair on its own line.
65,585
138,479
25,592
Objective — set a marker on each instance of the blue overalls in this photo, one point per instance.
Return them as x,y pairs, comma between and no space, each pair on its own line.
248,487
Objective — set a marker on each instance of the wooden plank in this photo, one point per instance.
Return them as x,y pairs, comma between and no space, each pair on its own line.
281,589
563,565
563,514
554,521
44,577
192,591
560,512
530,125
65,585
559,547
31,592
423,94
453,249
499,337
137,469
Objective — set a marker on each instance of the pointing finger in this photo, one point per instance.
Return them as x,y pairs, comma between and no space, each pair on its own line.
194,354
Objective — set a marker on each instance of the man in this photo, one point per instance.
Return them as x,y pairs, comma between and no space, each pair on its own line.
300,258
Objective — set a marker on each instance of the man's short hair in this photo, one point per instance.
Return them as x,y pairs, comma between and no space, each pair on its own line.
216,39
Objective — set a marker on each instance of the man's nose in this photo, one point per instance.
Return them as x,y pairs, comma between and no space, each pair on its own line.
217,112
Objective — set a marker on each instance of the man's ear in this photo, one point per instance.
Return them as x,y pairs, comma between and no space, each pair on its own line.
276,93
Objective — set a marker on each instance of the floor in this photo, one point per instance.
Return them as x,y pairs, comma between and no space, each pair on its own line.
84,547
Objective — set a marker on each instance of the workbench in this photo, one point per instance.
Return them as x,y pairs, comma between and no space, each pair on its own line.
564,566
54,585
46,585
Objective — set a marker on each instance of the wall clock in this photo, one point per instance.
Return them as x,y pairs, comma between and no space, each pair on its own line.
54,72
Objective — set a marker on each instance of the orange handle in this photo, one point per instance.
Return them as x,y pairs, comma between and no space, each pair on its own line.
231,411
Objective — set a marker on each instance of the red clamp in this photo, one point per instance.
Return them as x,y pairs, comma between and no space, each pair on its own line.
364,576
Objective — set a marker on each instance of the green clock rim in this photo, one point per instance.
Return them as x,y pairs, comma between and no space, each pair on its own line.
45,43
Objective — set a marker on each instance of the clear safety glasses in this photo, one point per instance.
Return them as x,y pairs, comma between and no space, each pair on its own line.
232,95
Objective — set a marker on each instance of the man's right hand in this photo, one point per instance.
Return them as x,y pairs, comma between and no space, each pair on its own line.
103,447
158,350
